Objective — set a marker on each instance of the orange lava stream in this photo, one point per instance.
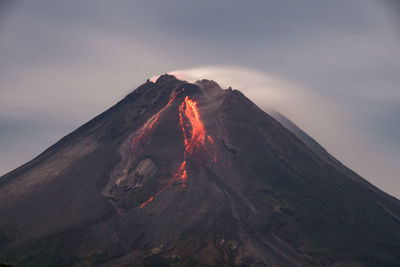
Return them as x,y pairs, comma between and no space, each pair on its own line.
198,133
144,131
195,141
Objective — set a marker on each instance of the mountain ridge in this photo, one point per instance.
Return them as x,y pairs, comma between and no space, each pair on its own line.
268,199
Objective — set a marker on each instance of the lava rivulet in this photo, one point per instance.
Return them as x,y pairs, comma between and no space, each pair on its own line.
196,140
143,133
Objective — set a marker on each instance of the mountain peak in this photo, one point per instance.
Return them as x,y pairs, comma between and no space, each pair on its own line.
180,174
165,78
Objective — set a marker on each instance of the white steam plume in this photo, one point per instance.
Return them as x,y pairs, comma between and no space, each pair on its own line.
332,124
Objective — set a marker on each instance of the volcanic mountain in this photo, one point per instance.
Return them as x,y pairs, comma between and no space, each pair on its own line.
183,174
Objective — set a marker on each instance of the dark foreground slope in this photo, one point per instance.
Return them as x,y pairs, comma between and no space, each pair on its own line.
180,174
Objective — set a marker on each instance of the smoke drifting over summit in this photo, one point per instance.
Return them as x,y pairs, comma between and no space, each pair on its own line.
334,125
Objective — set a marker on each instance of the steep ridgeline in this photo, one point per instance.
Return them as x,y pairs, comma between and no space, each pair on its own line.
180,174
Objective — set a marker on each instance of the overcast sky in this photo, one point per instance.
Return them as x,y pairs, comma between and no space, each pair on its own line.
333,67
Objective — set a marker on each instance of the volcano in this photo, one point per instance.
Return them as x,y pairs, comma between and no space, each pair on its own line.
190,174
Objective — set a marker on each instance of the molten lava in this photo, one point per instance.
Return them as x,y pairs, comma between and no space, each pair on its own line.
196,140
198,132
142,134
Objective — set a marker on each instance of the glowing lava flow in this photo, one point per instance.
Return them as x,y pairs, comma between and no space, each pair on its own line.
195,141
144,131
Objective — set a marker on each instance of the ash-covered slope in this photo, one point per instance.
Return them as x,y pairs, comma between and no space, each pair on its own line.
181,174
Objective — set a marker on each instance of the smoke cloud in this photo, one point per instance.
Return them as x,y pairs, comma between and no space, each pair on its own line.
334,125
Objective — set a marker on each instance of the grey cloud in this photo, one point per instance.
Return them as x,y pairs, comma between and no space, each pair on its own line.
63,62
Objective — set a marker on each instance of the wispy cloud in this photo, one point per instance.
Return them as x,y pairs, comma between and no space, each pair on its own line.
331,123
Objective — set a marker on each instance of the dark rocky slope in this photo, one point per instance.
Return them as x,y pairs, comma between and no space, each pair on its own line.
126,189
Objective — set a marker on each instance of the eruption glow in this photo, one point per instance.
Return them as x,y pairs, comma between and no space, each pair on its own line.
143,132
196,140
